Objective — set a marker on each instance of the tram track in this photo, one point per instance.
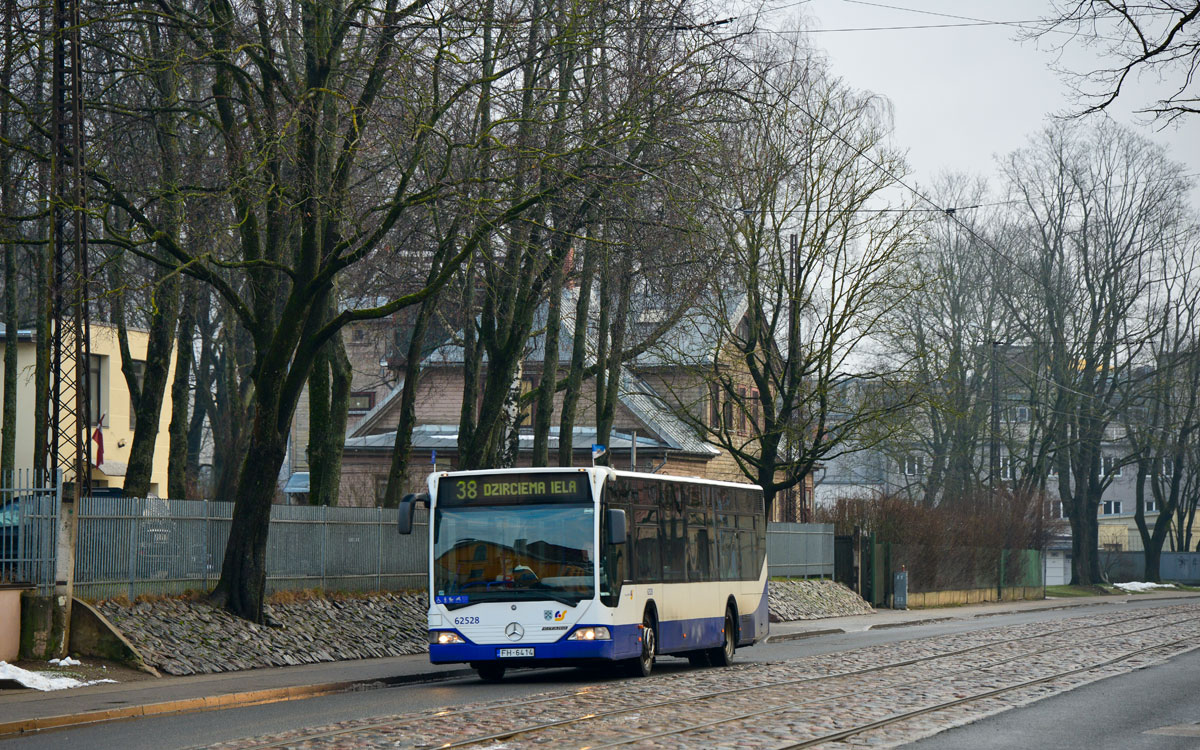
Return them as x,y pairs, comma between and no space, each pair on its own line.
510,734
398,723
835,737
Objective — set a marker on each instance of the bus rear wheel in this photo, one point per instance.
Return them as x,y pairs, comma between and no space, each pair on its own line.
643,665
722,656
490,671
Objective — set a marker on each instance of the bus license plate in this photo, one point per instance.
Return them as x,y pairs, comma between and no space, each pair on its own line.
503,653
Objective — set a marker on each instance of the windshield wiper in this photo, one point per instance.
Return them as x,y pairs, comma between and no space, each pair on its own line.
560,598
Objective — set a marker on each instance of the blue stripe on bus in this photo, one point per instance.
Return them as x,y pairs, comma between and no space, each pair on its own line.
688,635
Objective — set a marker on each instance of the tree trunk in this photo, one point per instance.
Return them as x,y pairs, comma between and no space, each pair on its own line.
330,436
566,425
177,456
319,413
543,412
242,586
407,421
154,385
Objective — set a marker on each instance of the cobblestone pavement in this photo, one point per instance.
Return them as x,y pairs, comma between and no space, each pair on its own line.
904,687
182,637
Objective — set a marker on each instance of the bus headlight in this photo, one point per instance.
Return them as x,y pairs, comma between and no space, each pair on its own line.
444,637
598,633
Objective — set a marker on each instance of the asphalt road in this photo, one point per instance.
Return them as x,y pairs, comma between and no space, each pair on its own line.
1157,708
1133,702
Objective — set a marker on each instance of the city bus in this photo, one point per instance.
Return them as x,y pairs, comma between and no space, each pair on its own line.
554,567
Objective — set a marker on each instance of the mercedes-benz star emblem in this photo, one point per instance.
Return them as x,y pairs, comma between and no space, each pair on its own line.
514,631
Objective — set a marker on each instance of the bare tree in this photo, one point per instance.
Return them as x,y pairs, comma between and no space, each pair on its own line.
1095,206
811,272
941,332
1162,413
1153,37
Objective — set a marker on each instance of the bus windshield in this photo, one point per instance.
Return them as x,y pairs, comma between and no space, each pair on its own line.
514,553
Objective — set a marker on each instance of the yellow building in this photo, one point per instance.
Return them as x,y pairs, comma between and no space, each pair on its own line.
111,406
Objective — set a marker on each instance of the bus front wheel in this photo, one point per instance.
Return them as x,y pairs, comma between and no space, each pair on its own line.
643,665
490,671
722,656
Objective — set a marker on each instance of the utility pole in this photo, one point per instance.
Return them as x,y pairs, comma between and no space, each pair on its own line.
69,440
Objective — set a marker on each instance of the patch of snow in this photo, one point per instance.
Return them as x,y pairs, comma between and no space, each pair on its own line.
66,661
39,681
1135,586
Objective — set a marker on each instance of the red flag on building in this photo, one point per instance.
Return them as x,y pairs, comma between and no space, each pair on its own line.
98,438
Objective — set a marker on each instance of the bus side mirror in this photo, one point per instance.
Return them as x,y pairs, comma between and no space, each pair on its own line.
407,509
616,526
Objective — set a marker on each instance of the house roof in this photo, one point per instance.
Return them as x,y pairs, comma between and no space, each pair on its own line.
694,340
633,392
372,417
445,437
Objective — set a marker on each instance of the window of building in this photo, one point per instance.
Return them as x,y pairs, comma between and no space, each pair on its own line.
1008,468
742,411
1168,467
754,413
381,481
139,376
1111,466
913,466
727,414
1111,508
1151,505
1018,414
361,401
714,405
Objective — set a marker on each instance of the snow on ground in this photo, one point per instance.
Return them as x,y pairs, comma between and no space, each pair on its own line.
1136,586
66,661
41,681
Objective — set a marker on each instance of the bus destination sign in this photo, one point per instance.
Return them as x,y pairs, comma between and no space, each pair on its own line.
512,489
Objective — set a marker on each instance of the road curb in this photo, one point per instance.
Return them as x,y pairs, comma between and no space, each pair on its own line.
224,700
802,634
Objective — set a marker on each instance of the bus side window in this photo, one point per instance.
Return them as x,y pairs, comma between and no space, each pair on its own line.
728,558
647,563
674,536
699,547
747,544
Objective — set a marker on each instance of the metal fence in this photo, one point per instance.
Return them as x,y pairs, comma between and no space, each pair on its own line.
131,546
1178,567
800,549
28,531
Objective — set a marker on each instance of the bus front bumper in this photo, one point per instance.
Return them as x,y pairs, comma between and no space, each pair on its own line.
623,645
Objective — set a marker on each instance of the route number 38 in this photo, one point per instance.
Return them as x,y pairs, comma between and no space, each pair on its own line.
467,490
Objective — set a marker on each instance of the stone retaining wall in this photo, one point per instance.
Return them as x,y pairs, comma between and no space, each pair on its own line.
181,637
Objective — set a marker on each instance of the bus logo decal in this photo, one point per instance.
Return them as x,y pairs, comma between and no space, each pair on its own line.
556,616
514,631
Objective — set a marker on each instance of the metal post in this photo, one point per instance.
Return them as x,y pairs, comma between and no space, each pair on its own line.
132,523
378,549
204,545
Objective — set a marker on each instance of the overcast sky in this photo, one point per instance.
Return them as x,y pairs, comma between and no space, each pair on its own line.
964,94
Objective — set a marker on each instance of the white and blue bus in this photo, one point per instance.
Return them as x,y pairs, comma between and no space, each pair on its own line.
549,567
